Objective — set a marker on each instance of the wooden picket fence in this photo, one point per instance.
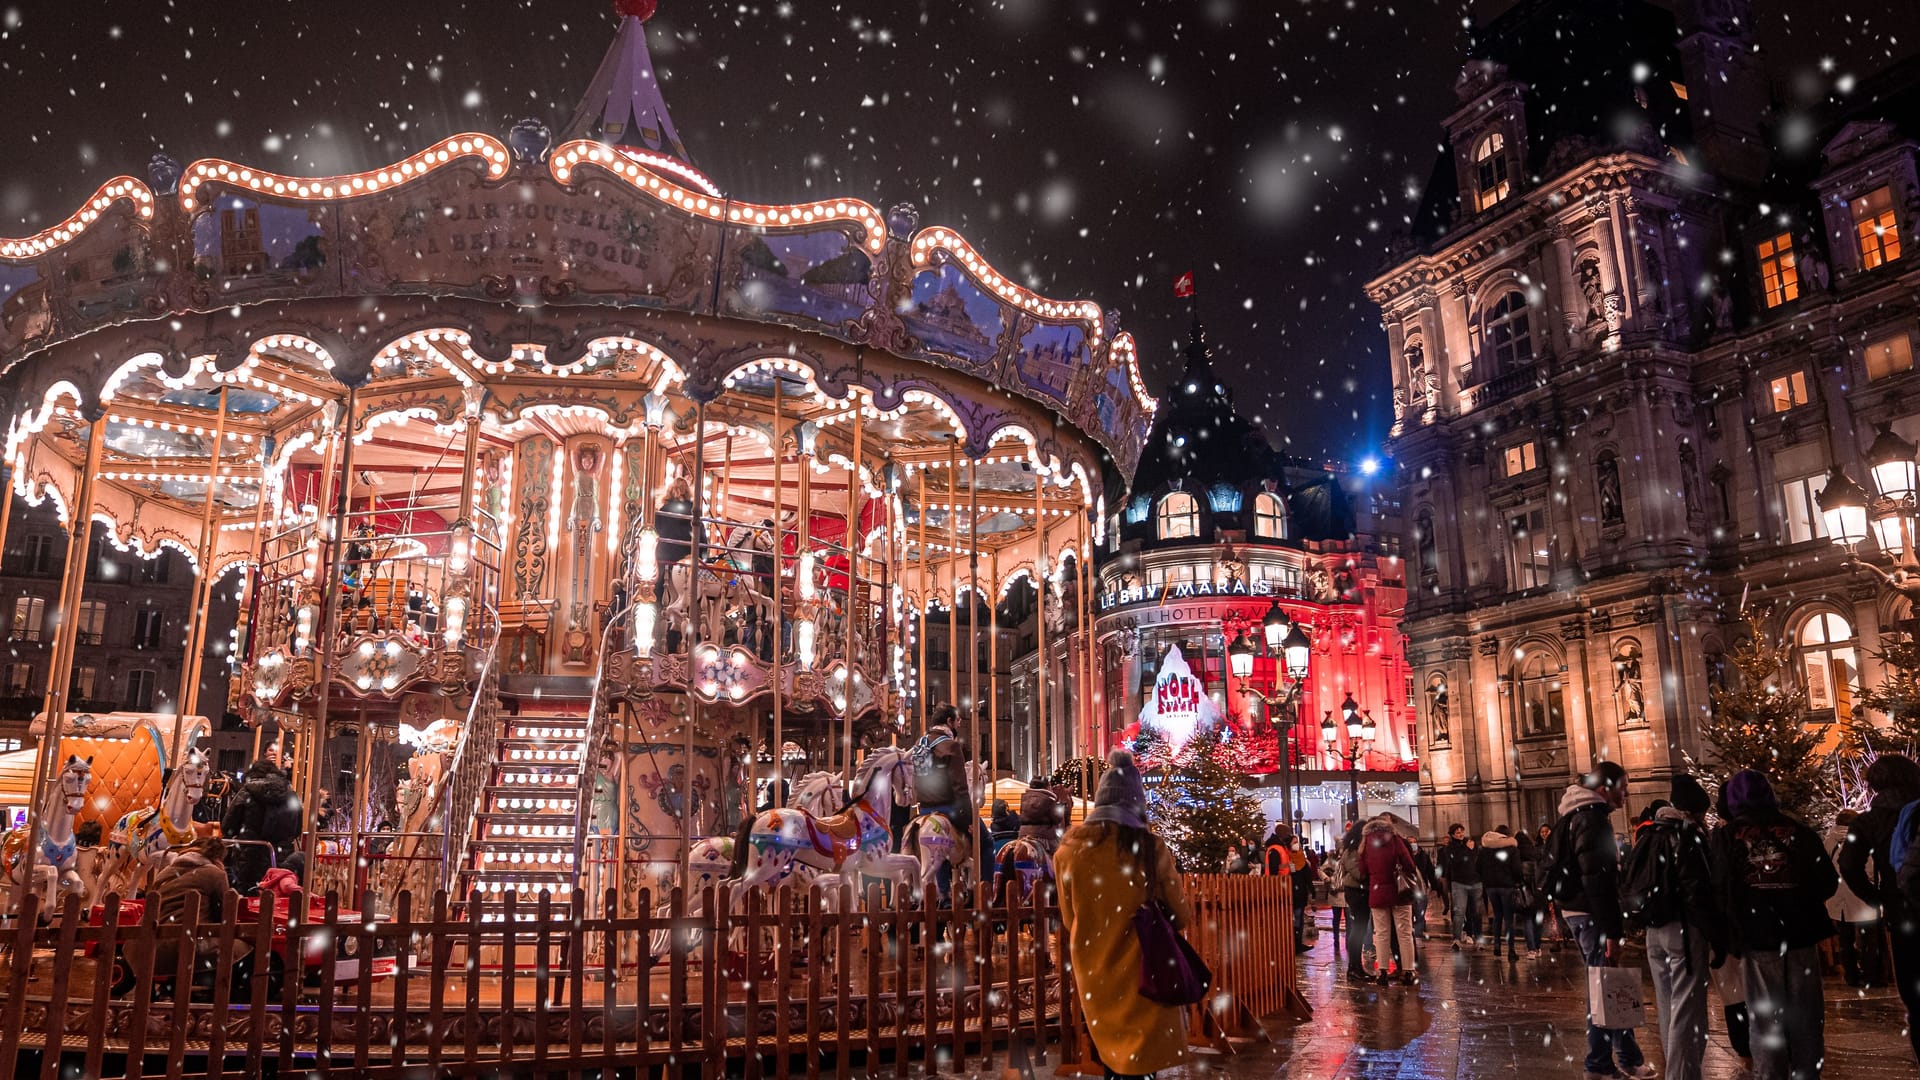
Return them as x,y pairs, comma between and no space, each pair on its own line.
792,985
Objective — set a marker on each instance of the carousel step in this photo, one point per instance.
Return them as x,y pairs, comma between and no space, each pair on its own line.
520,798
566,745
536,777
524,827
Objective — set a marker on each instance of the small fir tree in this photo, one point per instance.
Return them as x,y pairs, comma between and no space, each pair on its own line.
1200,808
1898,696
1759,723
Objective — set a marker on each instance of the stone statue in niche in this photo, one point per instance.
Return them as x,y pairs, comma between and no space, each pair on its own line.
1689,486
1812,262
1430,395
1607,479
1627,685
1591,288
1439,712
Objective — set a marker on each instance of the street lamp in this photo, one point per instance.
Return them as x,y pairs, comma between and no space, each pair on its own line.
1891,513
1287,639
1360,735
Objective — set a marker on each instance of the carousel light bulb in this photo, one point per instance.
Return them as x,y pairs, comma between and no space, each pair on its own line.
804,576
456,612
803,643
646,556
643,616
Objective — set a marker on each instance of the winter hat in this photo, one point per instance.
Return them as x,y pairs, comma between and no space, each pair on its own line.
1748,790
1121,797
1689,797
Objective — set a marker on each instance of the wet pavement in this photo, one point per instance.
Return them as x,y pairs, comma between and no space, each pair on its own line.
1473,1016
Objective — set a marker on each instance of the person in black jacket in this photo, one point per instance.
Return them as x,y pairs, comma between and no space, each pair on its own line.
1460,869
266,809
1685,935
1502,872
1585,861
1867,865
1772,878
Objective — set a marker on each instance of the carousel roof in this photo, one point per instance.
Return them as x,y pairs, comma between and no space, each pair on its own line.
623,105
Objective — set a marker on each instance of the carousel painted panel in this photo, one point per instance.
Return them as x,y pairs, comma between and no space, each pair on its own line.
249,247
816,277
1048,356
953,318
96,267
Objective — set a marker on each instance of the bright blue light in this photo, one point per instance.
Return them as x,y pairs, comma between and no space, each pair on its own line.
1369,466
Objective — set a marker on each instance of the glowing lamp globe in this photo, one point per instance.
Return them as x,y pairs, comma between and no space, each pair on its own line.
1843,508
1891,462
1240,656
1275,627
1299,650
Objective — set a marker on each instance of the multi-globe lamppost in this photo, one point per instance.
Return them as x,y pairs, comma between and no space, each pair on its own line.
1893,516
1287,639
1361,731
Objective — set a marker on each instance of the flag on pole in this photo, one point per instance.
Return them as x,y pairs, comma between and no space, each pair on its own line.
1183,285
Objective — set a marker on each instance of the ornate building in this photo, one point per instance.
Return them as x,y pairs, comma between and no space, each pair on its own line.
1218,532
1642,318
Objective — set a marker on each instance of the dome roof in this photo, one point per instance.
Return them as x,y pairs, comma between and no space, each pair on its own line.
1199,439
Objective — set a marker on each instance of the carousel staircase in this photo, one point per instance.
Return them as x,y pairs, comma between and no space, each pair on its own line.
523,828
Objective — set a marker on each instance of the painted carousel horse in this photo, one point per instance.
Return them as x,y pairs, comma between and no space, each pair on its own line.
680,581
792,844
1026,861
53,867
142,841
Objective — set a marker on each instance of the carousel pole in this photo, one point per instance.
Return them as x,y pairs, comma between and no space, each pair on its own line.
779,619
803,446
329,481
65,638
1042,752
194,661
6,503
698,535
993,663
340,507
855,493
920,603
953,577
1089,711
973,611
250,585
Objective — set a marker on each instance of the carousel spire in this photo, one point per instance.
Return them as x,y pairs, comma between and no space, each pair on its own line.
623,105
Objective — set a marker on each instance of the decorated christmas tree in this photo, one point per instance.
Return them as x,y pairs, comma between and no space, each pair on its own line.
1199,807
1898,696
1758,722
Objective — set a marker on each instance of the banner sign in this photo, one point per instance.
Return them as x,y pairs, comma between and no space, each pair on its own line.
1179,706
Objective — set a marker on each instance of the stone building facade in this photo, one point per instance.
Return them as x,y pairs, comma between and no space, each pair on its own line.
1642,316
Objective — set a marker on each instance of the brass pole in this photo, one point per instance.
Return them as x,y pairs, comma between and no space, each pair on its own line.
920,602
192,663
779,618
803,543
698,534
993,662
329,483
340,507
65,638
973,610
250,582
1088,690
953,577
855,493
1044,752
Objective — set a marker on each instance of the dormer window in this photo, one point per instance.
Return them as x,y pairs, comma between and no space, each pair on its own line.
1509,339
1269,516
1490,171
1875,228
1779,272
1179,516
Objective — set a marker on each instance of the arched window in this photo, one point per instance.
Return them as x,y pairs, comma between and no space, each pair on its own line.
1490,171
1509,341
1540,695
1828,660
1269,516
1179,516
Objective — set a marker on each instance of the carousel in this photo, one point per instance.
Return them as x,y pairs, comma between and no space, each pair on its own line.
581,505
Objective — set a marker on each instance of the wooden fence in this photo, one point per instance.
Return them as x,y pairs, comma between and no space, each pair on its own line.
790,985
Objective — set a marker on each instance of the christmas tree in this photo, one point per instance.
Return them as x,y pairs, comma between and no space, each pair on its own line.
1199,807
1897,695
1758,722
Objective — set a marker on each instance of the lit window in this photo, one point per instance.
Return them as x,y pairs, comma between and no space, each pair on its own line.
81,687
1679,89
9,744
1490,165
93,623
1542,697
1889,356
1779,277
1522,457
1269,516
1799,510
1789,391
1179,516
19,679
1509,340
1829,665
1529,554
28,613
1875,229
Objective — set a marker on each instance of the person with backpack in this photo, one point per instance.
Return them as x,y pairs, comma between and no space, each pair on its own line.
1669,891
1392,878
1868,865
1772,878
1583,878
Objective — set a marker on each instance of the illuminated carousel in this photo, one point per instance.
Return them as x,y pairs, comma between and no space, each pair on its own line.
593,498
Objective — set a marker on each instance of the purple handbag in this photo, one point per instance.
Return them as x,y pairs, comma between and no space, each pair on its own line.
1171,971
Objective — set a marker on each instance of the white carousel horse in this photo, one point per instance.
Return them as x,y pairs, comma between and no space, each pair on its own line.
53,867
933,841
791,844
142,841
679,584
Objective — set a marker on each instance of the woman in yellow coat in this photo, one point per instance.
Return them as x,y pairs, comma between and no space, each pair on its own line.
1104,867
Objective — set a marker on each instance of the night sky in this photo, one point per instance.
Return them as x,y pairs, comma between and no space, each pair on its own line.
1088,147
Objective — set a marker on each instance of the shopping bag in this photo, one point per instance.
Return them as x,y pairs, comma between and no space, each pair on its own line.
1613,997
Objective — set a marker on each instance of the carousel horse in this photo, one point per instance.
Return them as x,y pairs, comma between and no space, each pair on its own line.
679,583
142,841
1026,861
933,842
53,870
790,843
